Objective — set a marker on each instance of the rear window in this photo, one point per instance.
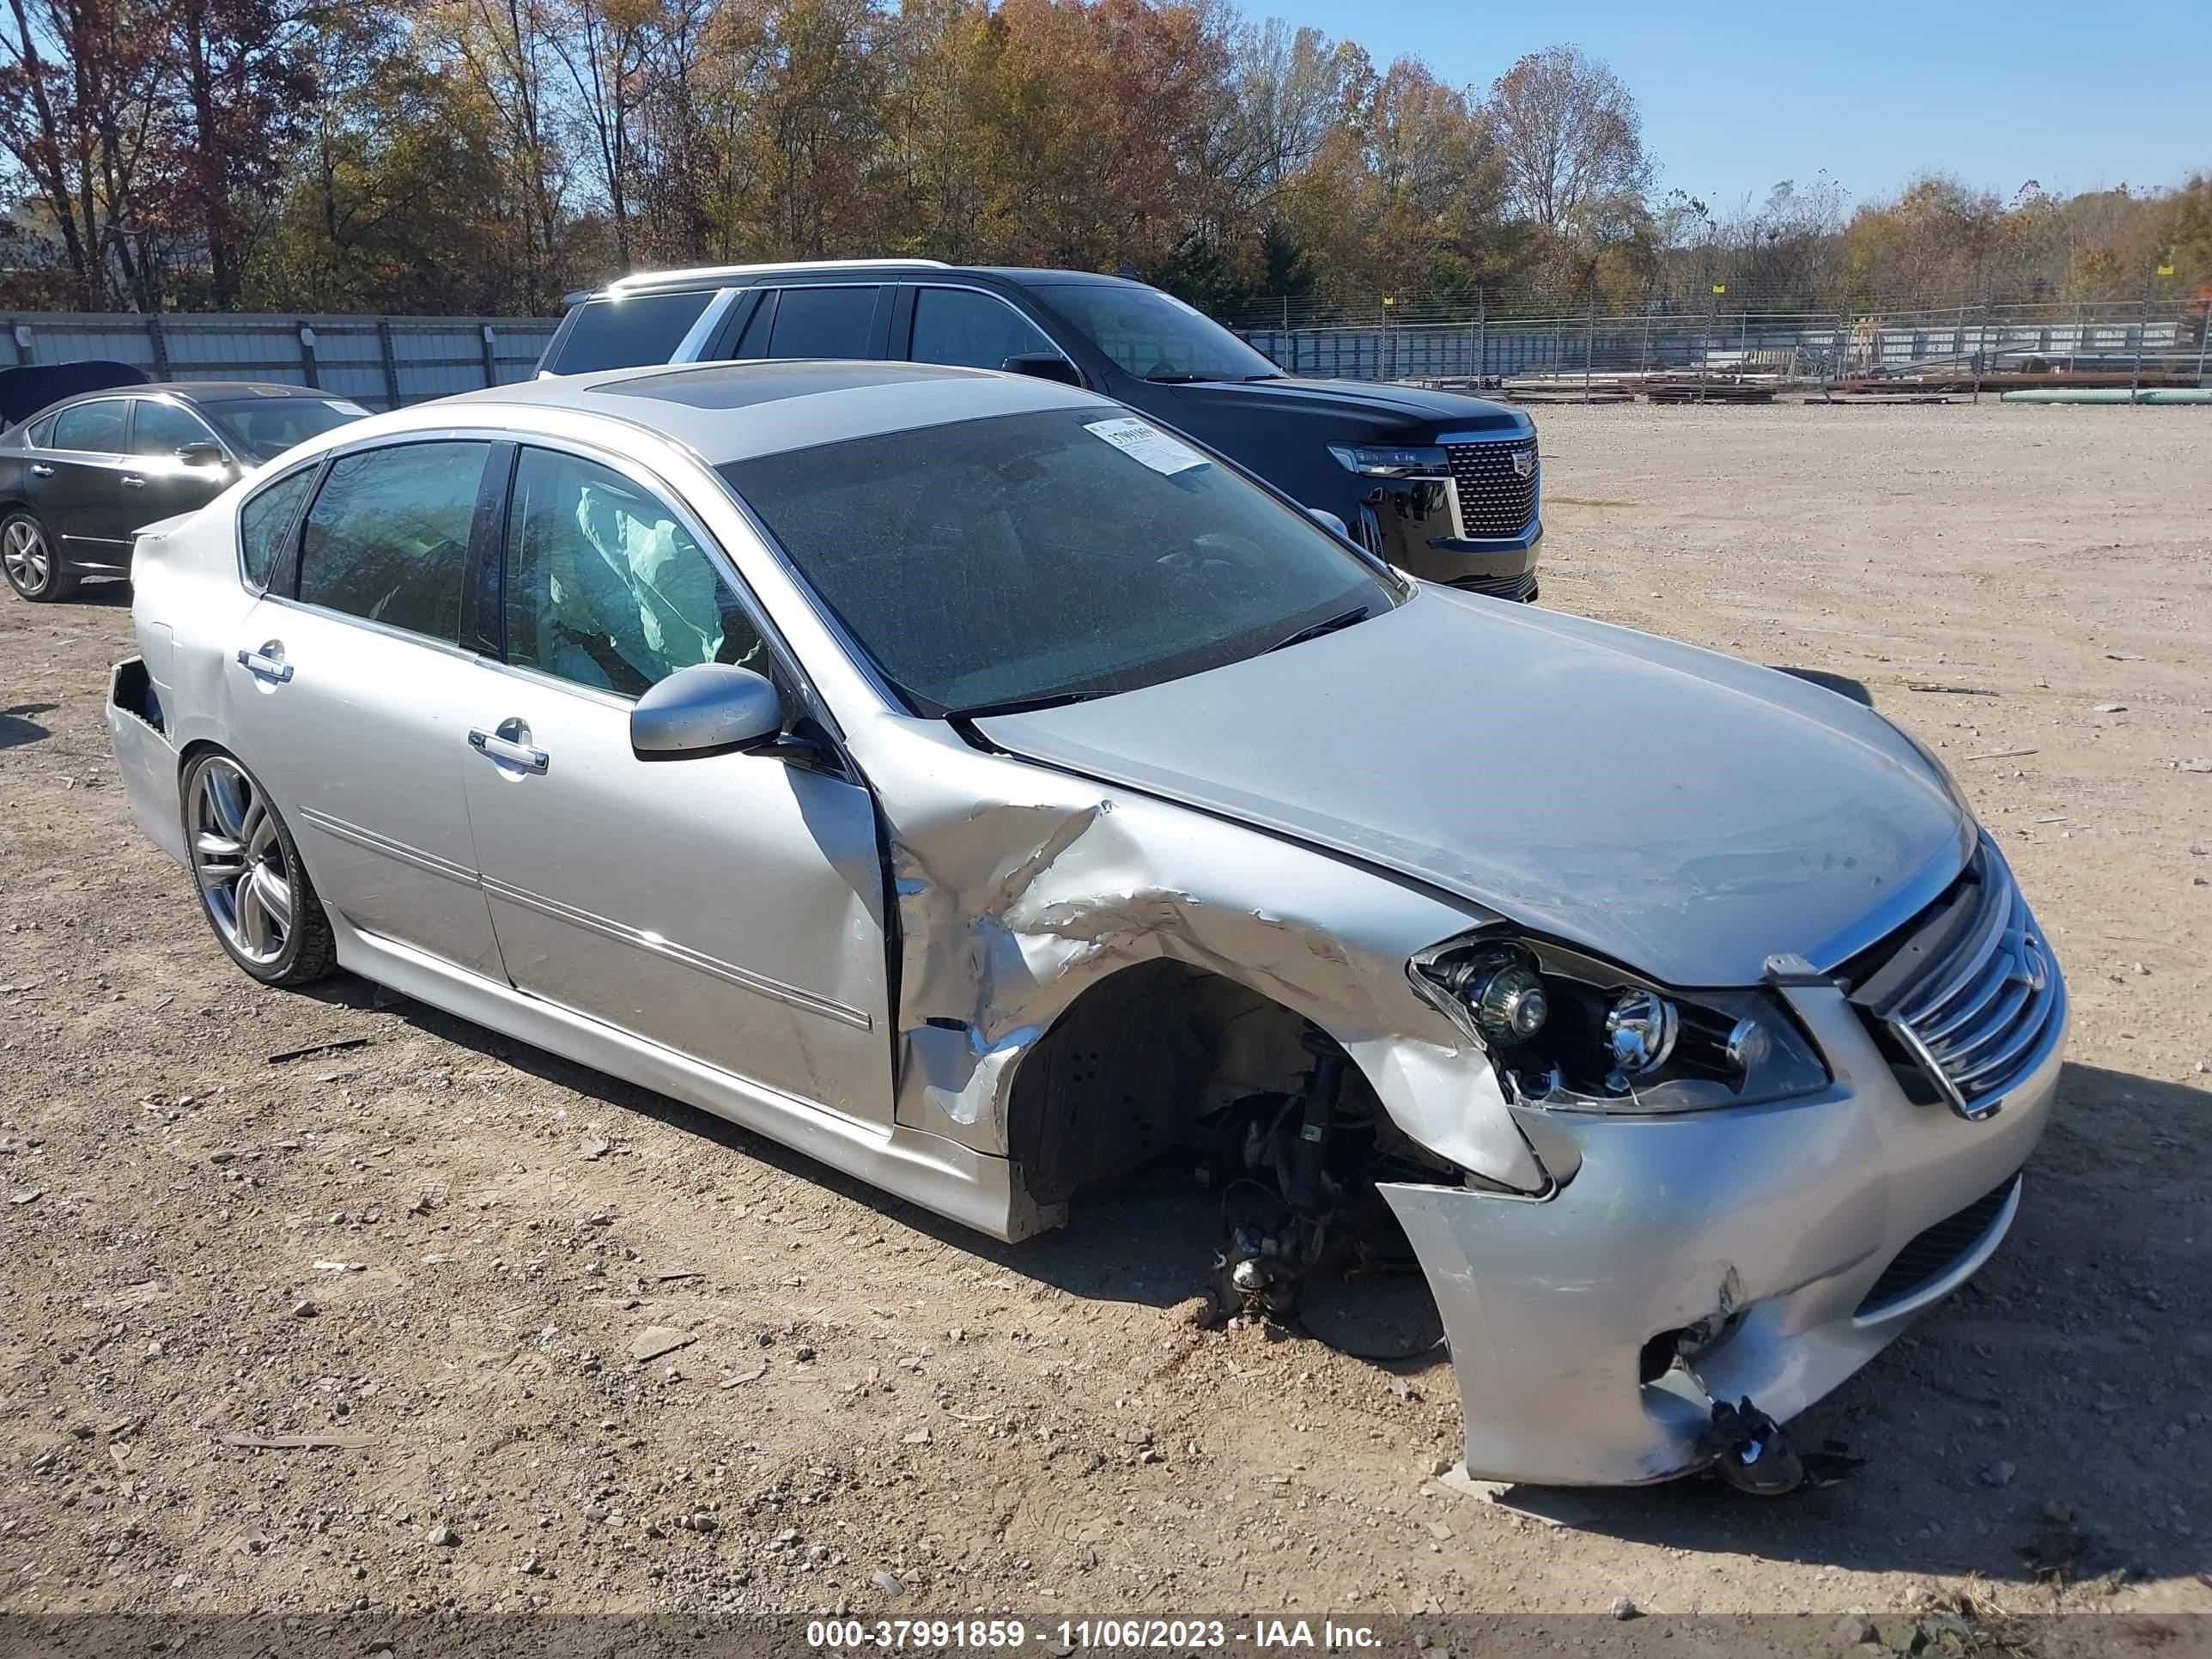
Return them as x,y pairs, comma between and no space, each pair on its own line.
266,427
628,330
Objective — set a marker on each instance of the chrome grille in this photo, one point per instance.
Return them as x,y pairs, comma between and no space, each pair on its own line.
1494,499
1969,991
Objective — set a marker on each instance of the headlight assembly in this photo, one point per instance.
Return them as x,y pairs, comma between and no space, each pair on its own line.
1391,461
1575,1034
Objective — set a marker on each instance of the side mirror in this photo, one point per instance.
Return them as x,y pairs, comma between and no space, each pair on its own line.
1328,521
710,709
202,454
1044,366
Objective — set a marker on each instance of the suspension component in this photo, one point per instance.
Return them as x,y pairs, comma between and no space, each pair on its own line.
1276,1229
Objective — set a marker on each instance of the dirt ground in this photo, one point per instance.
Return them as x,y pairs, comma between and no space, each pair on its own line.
445,1246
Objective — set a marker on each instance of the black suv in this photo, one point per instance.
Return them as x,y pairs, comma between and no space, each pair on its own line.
1444,486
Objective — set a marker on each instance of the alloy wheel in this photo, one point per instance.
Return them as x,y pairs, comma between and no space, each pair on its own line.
238,859
23,550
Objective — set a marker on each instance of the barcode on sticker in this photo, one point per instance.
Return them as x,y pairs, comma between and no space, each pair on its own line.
1144,442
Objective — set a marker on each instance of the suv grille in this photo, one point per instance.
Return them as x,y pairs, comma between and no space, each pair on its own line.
1935,1251
1494,499
1969,990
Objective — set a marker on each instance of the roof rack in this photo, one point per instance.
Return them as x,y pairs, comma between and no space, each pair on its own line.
645,279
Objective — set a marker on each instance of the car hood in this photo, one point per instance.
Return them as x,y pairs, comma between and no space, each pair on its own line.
1404,408
1684,813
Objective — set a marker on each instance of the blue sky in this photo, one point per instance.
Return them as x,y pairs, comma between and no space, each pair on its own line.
1737,97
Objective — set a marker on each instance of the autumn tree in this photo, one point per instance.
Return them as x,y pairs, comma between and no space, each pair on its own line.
85,106
245,83
394,199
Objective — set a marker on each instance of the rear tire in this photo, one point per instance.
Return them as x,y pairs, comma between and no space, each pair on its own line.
253,888
34,568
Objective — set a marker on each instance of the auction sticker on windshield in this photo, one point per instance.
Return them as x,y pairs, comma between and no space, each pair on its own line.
1142,441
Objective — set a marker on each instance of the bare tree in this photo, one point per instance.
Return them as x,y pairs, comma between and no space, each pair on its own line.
1287,92
1572,144
501,47
605,46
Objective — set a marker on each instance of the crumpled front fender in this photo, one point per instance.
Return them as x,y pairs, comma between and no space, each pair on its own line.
1017,887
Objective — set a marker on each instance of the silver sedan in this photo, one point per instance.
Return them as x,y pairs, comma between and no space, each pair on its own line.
985,791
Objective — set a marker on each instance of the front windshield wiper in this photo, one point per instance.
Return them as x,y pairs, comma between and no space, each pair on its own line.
1343,619
1176,380
1020,705
1276,375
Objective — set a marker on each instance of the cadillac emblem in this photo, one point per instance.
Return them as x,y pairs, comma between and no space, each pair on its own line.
1524,464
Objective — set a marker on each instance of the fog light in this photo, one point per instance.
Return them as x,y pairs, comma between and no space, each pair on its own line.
1639,1034
1509,1003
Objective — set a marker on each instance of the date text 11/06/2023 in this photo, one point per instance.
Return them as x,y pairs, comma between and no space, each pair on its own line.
1068,1635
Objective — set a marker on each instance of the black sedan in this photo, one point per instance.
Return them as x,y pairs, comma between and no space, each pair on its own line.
79,478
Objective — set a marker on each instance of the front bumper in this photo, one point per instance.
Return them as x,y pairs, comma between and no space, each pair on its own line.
1409,522
1770,1226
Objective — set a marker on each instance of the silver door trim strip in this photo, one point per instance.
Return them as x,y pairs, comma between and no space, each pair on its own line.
684,956
371,842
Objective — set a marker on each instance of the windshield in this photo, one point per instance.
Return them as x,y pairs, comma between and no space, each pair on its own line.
266,427
1154,335
1028,558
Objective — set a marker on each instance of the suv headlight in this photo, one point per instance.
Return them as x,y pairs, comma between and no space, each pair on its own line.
1391,461
1576,1034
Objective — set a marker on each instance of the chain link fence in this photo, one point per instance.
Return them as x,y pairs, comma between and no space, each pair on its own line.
386,361
2142,344
379,361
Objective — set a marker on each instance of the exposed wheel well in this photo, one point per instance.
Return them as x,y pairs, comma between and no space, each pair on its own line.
1135,1063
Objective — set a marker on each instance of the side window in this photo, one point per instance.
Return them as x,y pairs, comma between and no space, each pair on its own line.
387,538
264,523
97,427
959,326
629,331
42,433
164,428
823,322
604,586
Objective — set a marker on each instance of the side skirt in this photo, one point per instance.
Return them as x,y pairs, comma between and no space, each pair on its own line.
971,1187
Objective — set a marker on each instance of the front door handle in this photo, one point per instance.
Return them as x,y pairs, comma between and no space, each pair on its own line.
268,663
507,750
40,470
132,480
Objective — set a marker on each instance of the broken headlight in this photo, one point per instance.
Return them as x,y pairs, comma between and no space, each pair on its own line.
1575,1034
1392,460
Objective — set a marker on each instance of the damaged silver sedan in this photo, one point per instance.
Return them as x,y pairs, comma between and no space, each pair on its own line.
977,788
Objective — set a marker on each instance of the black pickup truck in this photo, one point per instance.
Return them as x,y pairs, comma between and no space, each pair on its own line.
1447,487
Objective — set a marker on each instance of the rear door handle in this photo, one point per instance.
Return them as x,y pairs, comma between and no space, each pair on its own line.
505,749
132,480
40,470
264,665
